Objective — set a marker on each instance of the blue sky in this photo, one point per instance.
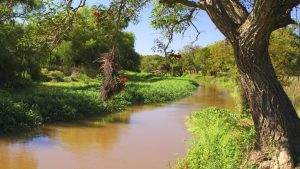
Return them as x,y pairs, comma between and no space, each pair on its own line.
145,35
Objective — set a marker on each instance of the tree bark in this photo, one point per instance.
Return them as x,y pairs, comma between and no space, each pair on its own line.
275,119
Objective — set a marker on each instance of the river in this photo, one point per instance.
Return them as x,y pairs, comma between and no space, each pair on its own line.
142,137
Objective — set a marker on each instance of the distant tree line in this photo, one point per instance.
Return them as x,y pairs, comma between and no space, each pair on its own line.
218,60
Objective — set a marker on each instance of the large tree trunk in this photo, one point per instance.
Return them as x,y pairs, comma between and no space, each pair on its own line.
275,119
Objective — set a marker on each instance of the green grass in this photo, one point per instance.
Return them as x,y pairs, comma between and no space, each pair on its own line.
220,140
223,139
47,102
217,81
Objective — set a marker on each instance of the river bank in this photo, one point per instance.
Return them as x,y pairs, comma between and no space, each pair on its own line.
47,102
149,136
222,137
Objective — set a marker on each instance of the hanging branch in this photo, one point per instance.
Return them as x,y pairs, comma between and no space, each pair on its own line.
110,66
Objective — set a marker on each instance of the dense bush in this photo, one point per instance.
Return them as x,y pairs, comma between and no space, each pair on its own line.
17,116
220,141
9,61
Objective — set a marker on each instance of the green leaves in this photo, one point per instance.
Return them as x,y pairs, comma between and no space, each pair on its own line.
166,18
18,116
10,10
285,52
174,19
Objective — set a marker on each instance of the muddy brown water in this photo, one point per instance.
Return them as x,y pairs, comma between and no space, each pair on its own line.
142,137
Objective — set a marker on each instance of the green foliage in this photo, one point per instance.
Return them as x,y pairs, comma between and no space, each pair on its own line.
221,60
171,18
51,38
216,59
18,116
166,17
219,81
65,101
201,60
285,52
151,63
20,54
88,39
10,10
129,60
159,89
8,61
220,141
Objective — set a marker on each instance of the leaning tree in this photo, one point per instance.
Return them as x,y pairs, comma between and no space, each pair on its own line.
247,25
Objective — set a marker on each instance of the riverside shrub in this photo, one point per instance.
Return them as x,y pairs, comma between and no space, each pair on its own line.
220,141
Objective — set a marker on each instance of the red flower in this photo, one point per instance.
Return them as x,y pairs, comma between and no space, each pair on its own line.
97,14
123,79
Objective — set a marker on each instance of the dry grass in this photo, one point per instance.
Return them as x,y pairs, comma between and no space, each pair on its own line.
293,91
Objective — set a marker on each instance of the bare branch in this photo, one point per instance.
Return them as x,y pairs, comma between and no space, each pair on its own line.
81,4
198,32
132,14
170,29
227,15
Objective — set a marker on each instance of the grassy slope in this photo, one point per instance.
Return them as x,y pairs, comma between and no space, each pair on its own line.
66,101
220,82
222,139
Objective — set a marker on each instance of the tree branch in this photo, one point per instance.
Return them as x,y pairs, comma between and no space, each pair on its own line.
235,10
271,15
293,3
227,15
187,3
224,16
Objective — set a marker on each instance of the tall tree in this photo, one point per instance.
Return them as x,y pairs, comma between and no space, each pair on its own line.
248,29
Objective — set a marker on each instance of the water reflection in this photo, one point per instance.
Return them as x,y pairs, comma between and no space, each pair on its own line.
143,137
16,157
